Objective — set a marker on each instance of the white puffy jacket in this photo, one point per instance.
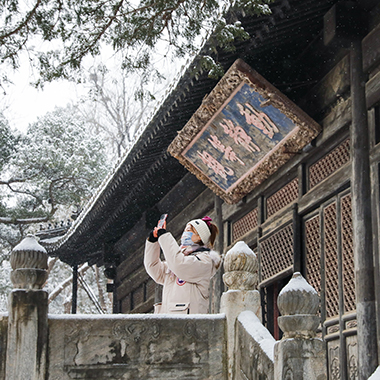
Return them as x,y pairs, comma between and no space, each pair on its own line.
185,279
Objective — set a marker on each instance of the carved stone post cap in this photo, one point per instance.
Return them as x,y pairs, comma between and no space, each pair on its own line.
299,326
24,278
29,264
241,267
29,254
298,297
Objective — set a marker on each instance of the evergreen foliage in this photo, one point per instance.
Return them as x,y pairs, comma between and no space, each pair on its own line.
76,29
7,141
56,164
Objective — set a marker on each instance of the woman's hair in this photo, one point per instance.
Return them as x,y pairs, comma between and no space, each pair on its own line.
214,232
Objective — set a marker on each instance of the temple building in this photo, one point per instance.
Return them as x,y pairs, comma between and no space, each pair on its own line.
282,153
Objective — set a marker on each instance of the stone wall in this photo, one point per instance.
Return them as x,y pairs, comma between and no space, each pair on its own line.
254,358
229,346
137,347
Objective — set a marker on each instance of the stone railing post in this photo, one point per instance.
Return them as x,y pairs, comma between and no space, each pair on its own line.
241,278
299,354
28,309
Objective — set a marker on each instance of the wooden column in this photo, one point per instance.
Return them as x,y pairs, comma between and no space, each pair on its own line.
362,219
74,297
297,264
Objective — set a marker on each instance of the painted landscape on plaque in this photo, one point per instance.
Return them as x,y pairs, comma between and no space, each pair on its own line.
238,137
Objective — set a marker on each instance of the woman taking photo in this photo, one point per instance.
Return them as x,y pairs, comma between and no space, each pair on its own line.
186,272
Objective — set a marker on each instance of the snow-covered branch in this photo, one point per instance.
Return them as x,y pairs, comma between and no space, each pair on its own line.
15,221
58,289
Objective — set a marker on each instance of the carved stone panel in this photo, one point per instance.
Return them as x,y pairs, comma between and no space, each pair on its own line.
135,348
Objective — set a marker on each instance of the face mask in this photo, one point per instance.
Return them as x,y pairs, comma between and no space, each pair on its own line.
186,238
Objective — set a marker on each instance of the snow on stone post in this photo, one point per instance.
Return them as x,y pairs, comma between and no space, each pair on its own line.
28,313
241,278
300,354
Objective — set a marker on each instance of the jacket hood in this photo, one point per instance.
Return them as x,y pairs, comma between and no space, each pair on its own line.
216,259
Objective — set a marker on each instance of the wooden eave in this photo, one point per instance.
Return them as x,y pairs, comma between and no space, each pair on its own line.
147,172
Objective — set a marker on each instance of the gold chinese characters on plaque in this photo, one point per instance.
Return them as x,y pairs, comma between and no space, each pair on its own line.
243,132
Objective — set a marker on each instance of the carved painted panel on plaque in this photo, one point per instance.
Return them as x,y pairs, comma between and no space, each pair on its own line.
241,134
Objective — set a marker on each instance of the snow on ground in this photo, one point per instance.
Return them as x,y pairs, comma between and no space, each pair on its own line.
138,316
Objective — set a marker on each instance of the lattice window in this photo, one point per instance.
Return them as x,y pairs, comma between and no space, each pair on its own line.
348,255
282,197
244,225
329,163
313,252
331,261
277,252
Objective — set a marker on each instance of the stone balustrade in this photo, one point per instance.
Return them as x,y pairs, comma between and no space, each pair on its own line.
299,354
241,278
252,352
161,347
27,339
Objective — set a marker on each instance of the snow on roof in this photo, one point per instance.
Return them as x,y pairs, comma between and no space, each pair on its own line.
298,283
259,333
241,247
53,239
375,375
29,244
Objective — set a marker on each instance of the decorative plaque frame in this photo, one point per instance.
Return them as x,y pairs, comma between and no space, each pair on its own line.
242,133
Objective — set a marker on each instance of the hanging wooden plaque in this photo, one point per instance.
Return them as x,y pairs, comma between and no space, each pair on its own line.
243,132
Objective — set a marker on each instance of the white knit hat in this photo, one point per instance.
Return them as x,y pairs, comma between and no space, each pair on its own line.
202,230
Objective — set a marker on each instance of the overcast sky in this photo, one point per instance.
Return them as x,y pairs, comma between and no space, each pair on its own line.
23,103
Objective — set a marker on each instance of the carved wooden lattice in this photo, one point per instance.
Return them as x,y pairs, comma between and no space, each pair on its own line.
244,225
277,252
331,261
329,163
348,255
282,197
313,252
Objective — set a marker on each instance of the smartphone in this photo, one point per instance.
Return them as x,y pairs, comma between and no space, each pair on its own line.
162,220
